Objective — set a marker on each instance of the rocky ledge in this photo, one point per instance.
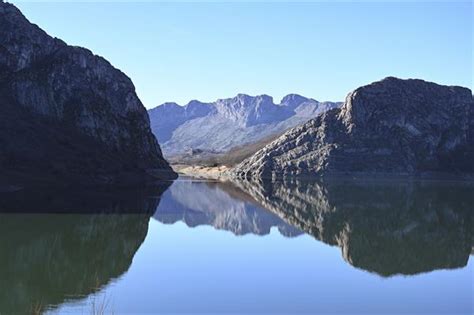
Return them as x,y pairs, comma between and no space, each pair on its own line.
394,126
67,115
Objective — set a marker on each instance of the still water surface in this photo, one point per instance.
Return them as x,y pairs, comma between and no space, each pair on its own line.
284,247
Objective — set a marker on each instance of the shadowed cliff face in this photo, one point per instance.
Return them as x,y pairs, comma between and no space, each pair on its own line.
67,114
48,258
383,227
220,205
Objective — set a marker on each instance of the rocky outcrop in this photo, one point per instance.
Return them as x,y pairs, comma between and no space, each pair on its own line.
67,115
386,227
392,126
228,123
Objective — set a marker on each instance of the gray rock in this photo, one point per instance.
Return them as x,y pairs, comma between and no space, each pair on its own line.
392,126
67,114
228,123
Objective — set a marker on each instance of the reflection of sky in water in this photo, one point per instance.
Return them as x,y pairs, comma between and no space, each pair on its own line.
202,270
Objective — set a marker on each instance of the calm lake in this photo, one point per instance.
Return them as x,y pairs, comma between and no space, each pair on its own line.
336,247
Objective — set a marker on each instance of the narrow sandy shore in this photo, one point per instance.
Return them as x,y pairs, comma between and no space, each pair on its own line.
209,172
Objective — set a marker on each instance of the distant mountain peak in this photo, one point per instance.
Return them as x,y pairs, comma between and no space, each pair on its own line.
292,101
291,98
245,99
170,104
229,122
194,103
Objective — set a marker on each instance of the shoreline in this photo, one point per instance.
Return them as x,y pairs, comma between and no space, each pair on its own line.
221,173
200,171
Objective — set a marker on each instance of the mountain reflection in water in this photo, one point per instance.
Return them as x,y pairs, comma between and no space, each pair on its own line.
51,259
61,245
221,205
48,259
386,227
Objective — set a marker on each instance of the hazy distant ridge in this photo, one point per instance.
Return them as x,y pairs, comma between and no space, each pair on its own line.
226,123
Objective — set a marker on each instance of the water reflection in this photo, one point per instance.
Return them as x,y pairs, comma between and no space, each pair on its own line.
221,205
386,227
49,257
58,247
94,200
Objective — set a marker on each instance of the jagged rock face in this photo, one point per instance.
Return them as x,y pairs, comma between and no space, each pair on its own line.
227,123
386,227
391,126
76,105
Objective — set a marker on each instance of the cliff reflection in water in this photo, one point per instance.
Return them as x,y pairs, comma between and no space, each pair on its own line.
50,258
388,228
221,205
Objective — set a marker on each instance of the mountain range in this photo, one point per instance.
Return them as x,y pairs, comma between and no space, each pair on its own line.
69,117
228,123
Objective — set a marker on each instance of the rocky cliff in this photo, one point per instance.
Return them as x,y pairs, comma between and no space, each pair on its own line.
67,115
228,123
391,126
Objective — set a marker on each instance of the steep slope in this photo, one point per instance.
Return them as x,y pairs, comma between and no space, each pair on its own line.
227,123
391,126
67,115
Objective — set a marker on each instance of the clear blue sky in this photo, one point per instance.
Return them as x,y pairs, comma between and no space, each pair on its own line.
210,50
